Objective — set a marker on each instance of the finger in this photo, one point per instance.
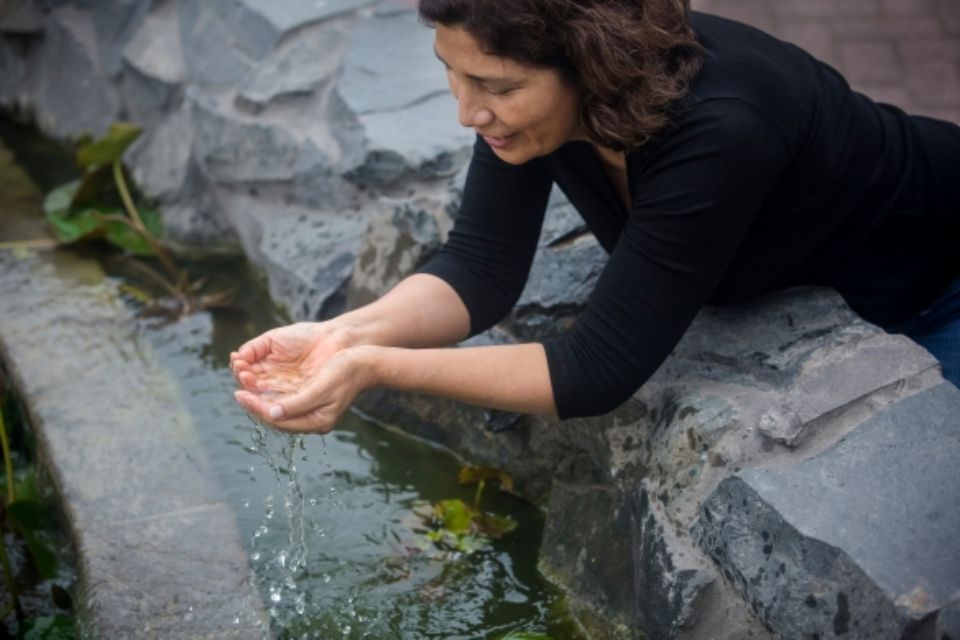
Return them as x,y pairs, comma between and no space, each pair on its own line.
257,349
248,381
318,421
300,402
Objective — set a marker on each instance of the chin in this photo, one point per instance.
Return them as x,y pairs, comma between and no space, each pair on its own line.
520,155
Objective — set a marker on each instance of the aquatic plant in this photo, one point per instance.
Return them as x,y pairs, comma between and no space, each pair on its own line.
103,205
453,525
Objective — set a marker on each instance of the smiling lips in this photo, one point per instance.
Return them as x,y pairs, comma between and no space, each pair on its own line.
499,143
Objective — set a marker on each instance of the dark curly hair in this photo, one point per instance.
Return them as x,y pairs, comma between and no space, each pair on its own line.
632,58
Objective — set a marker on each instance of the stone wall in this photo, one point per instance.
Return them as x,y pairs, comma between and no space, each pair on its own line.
787,473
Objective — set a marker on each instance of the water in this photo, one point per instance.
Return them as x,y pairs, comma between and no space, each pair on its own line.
328,522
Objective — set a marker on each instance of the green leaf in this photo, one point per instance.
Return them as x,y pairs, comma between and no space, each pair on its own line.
98,190
29,515
56,627
109,148
455,515
43,556
471,474
127,238
58,201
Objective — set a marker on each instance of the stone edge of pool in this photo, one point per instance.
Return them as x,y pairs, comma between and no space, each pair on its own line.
159,552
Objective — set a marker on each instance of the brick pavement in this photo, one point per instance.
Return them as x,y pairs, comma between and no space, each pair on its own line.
905,52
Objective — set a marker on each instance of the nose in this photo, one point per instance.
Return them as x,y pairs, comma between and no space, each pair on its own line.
470,108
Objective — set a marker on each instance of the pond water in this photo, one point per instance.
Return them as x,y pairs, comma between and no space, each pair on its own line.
329,523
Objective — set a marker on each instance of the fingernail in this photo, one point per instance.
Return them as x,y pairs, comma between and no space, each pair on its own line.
276,412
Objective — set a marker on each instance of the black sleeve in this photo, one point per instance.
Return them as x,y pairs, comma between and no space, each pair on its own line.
700,188
488,255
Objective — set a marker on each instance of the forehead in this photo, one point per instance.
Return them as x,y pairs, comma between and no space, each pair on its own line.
460,51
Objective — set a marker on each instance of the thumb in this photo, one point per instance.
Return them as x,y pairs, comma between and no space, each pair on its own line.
297,404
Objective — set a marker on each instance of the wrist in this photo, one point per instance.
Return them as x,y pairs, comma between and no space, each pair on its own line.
368,360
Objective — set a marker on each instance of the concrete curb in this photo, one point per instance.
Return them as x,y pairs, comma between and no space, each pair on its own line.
159,551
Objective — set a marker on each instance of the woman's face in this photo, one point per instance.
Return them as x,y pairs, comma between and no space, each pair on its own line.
522,112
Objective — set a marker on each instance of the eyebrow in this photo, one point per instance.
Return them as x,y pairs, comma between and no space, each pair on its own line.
470,75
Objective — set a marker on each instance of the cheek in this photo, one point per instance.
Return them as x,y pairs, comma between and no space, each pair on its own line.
454,85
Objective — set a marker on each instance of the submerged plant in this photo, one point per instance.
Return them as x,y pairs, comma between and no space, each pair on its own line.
453,525
101,205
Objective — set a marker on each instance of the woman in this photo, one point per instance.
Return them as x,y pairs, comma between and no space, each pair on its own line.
713,162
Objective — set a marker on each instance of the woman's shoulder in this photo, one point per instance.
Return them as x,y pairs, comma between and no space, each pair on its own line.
745,65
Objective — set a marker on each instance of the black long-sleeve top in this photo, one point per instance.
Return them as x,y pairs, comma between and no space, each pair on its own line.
772,173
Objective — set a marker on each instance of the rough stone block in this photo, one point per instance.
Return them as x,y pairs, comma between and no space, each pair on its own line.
154,74
297,68
395,244
73,95
159,553
862,535
114,23
308,255
392,84
217,42
389,64
292,14
21,17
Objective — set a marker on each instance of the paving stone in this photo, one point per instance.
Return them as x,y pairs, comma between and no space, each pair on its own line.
159,553
861,534
935,83
870,61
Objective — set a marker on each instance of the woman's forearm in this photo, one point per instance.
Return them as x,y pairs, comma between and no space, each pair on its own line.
509,377
422,311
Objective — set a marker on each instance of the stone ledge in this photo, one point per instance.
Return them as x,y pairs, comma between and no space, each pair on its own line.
159,552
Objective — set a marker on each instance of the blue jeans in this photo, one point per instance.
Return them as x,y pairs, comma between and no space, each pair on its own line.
937,329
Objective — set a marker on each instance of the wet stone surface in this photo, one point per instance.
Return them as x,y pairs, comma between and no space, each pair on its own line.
159,552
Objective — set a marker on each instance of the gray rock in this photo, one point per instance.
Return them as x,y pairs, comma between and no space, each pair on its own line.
161,157
153,59
292,14
73,95
863,535
138,579
393,86
424,140
236,150
395,244
221,41
114,23
15,82
308,255
297,68
22,17
578,552
389,64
